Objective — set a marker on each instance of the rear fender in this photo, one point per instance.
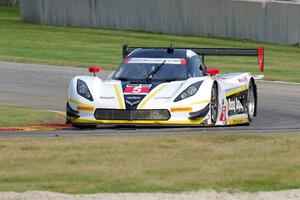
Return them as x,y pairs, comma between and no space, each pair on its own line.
252,81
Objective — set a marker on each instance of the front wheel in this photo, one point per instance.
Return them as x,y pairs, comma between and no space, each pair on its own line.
214,104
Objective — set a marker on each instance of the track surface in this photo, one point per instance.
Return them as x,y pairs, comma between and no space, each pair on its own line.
45,87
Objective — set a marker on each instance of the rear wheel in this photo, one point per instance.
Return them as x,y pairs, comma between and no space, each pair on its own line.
80,126
214,104
251,102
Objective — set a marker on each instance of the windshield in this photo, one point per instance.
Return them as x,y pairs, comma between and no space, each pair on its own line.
159,68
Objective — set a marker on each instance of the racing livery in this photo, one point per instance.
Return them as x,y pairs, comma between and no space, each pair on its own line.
165,86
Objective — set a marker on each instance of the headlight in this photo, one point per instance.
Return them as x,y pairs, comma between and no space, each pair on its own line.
188,92
83,90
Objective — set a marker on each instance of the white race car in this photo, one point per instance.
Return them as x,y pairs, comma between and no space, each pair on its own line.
165,86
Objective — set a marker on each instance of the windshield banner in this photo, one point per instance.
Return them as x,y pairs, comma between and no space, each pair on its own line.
174,61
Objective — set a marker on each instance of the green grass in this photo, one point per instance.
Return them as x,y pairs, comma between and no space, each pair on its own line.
12,116
57,45
151,163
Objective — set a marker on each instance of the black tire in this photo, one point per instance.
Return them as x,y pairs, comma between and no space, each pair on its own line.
80,126
251,102
214,104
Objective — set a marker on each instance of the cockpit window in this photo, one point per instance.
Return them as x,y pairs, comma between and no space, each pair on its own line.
155,69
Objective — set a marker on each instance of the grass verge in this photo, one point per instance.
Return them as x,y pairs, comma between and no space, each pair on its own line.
57,45
13,116
151,163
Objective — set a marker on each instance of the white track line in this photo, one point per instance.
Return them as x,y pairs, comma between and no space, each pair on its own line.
279,82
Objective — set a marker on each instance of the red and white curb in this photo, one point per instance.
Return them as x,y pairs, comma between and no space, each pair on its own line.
38,127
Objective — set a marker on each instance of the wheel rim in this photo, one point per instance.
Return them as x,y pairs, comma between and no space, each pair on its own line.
251,102
214,104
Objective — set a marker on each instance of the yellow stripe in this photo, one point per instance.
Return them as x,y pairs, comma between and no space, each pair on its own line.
200,102
142,105
236,91
77,102
197,122
119,97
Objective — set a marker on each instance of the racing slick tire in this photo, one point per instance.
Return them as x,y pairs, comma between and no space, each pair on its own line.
251,102
214,104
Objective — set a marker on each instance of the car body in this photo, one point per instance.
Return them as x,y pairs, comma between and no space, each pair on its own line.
165,86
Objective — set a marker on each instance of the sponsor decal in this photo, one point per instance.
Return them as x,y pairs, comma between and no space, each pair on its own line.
243,80
103,97
174,61
133,97
223,114
162,97
133,103
137,89
133,100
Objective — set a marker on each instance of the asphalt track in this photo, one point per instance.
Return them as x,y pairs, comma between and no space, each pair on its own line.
45,87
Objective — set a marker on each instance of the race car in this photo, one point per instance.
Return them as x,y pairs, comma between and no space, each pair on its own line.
165,86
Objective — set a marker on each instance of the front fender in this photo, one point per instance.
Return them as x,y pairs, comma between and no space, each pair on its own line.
94,84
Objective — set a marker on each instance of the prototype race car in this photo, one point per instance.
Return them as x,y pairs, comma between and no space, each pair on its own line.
170,86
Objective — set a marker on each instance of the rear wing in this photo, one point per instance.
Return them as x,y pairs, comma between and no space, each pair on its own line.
259,52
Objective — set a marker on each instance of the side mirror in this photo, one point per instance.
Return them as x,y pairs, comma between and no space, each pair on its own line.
94,70
212,71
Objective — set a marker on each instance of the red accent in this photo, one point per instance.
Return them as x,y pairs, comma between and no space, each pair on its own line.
182,61
223,114
94,69
126,61
55,125
213,71
261,58
137,89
